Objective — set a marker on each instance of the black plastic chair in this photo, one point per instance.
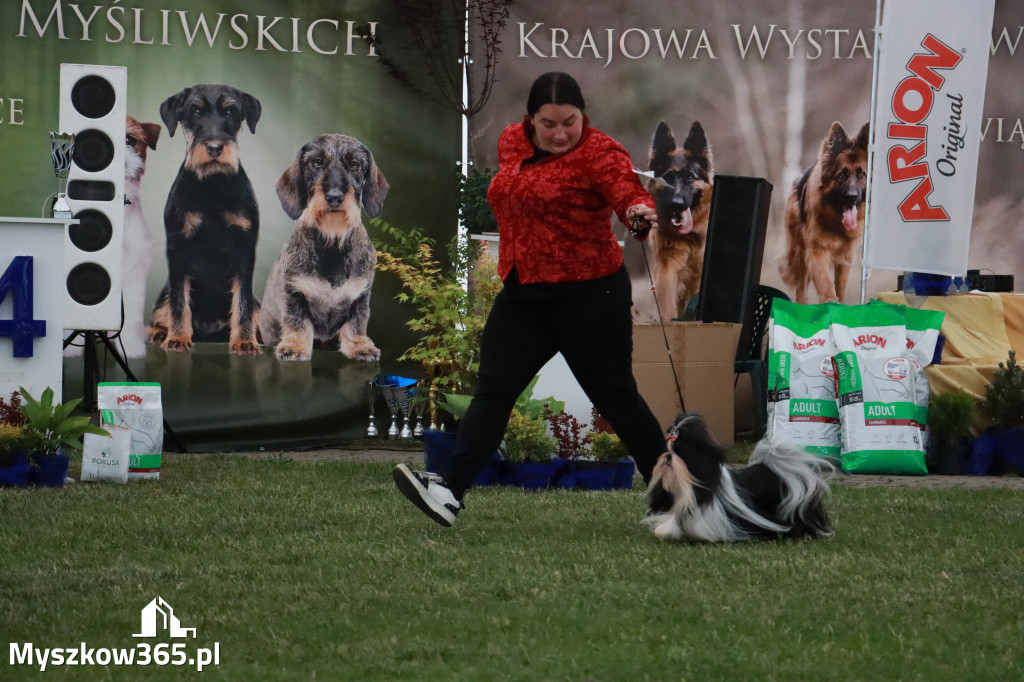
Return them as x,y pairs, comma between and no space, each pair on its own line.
753,359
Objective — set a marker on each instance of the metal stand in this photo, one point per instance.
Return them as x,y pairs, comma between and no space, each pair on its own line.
90,377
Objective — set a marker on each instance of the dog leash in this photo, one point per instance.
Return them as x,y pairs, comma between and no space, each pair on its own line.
639,226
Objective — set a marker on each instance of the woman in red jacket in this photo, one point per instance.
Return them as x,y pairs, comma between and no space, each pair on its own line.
565,288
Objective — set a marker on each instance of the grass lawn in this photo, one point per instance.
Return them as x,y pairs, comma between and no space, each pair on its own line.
302,571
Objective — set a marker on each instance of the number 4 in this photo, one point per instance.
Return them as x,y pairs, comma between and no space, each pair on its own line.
17,280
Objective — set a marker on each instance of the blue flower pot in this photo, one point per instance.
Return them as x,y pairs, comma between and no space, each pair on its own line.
589,475
16,475
438,447
49,470
529,475
625,470
997,452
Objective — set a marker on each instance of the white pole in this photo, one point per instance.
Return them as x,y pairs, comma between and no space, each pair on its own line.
864,273
464,163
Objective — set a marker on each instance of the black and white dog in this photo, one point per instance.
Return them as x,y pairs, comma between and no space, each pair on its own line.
694,495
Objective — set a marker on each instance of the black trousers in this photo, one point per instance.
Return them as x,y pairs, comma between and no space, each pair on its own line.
591,324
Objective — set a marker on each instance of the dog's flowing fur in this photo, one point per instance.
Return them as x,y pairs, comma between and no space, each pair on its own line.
138,242
677,242
694,495
212,224
319,288
825,217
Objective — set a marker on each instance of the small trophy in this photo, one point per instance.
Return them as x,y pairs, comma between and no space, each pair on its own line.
371,430
62,146
391,397
433,410
406,394
417,413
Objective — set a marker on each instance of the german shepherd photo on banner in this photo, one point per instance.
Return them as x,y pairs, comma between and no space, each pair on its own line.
681,189
825,217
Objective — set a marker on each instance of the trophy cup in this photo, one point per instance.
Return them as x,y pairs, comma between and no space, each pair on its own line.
62,146
398,392
371,430
406,394
417,413
433,410
392,401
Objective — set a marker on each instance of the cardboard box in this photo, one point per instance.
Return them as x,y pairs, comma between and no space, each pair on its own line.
703,355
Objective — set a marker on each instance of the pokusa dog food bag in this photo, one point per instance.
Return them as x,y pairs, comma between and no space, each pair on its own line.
875,390
922,338
802,409
137,407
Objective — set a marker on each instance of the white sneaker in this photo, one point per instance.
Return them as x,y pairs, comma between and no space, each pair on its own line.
428,492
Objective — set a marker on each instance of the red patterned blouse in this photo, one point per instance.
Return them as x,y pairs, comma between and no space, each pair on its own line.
554,215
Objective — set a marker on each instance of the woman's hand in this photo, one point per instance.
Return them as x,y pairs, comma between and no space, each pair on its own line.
641,219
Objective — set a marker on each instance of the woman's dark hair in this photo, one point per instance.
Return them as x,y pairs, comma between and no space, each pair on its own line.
554,88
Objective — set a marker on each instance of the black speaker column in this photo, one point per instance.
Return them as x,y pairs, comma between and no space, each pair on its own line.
735,248
92,106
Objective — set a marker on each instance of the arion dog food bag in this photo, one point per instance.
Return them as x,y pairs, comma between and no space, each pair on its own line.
136,406
922,337
802,408
875,390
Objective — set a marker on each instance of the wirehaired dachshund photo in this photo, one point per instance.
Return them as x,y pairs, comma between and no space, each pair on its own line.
212,223
319,288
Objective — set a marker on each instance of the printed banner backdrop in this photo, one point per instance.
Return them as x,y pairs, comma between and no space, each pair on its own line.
933,59
312,72
766,80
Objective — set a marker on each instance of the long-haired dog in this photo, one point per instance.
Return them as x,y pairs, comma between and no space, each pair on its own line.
212,223
138,241
319,288
694,495
825,217
682,197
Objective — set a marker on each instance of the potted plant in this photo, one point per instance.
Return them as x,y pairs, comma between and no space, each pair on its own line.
452,300
529,452
53,432
607,447
600,461
439,445
1002,444
14,462
950,417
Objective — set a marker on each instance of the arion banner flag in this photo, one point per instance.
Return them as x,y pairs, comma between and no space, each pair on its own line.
933,62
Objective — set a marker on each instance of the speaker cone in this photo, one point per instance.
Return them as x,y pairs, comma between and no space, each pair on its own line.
93,96
93,150
88,283
93,231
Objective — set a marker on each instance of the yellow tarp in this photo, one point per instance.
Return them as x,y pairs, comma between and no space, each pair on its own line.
980,330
